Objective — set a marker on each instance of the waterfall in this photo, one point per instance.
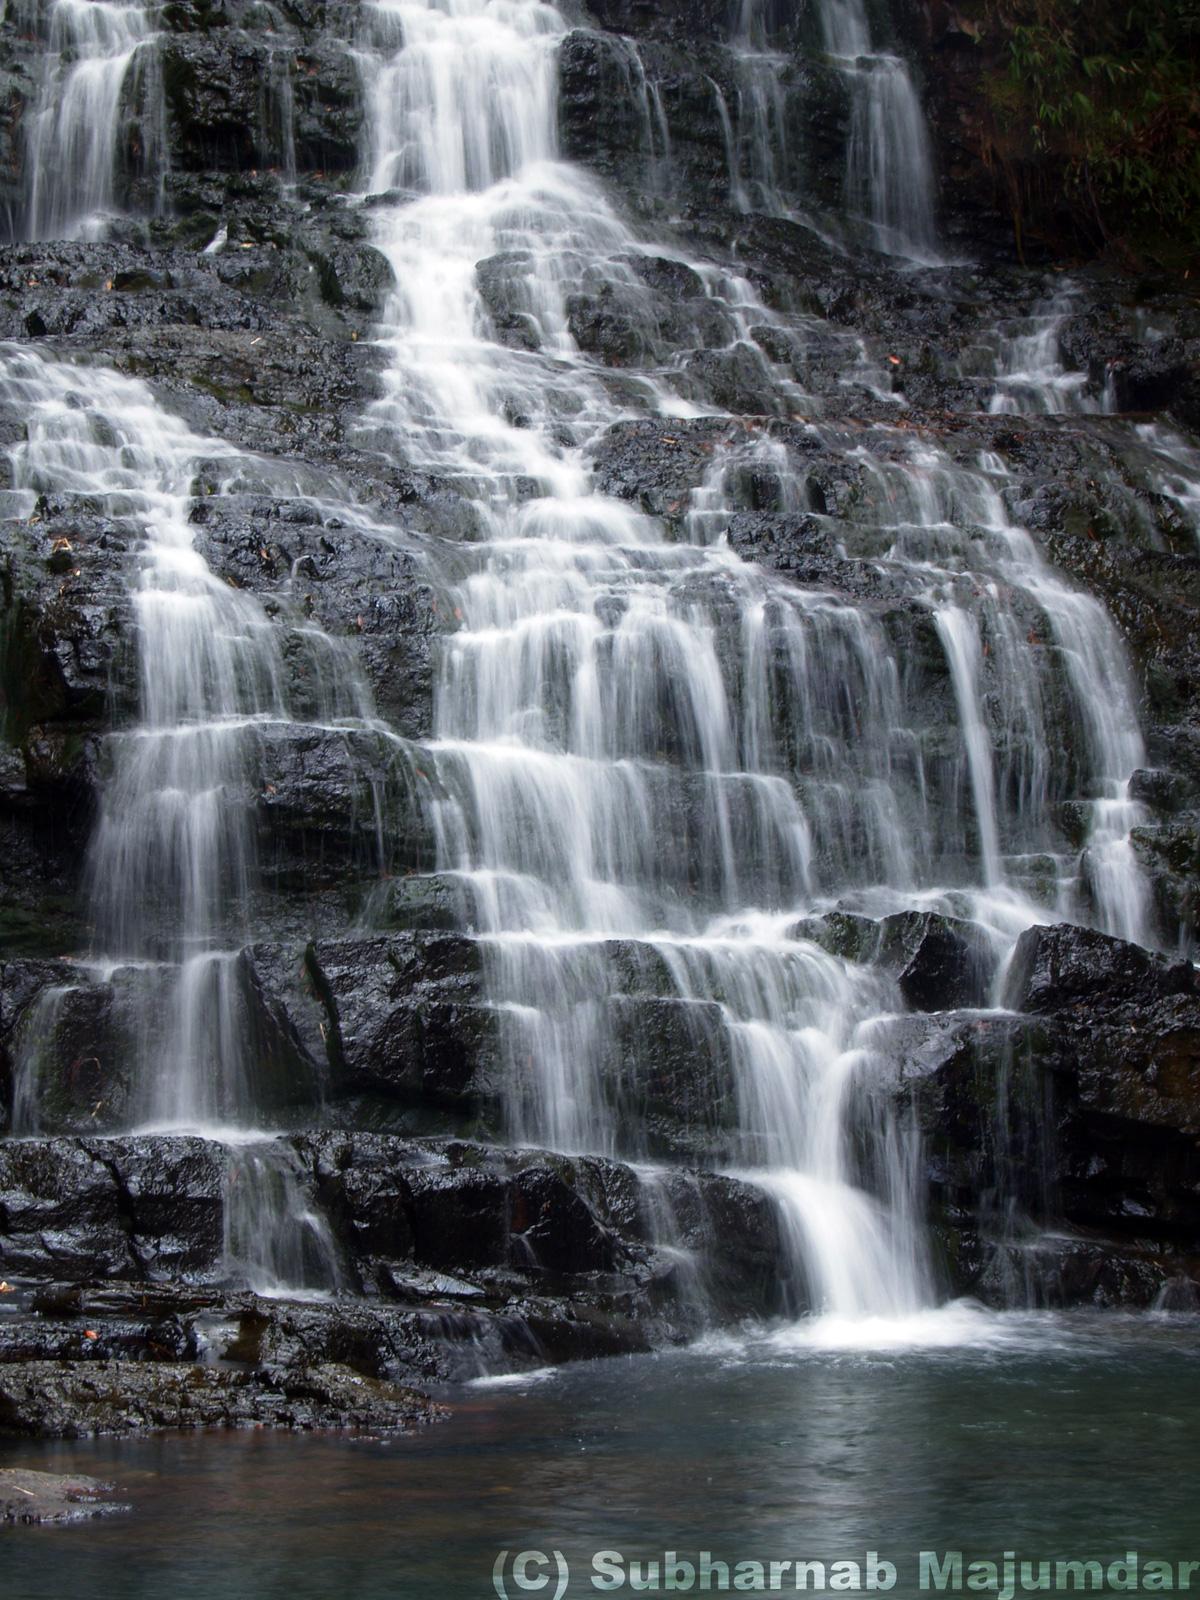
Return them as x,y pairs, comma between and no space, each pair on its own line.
657,770
1058,677
889,183
638,806
276,1242
170,859
1031,376
171,866
759,150
1174,471
93,53
889,165
612,809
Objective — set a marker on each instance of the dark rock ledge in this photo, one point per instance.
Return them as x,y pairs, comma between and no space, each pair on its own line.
453,1259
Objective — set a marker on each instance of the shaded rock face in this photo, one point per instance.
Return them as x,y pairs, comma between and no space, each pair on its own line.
469,1258
1077,1108
240,281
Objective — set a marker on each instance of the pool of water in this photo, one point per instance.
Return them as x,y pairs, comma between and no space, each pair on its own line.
1054,1437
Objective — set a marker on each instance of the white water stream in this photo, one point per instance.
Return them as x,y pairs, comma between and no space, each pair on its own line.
654,760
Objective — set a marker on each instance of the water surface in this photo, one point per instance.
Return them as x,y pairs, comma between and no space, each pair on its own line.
1057,1437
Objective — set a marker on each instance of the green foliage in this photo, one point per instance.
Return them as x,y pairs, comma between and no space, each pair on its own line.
1105,94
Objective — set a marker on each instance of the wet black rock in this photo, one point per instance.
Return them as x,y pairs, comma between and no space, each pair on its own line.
939,963
463,1248
805,549
600,120
1059,967
249,89
76,1399
421,901
407,1017
61,1213
66,612
1080,1118
657,464
672,1077
1147,368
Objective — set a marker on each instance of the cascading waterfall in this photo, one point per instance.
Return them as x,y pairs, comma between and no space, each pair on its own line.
170,860
94,53
758,151
1031,376
1043,640
1174,471
171,864
583,720
654,761
657,767
889,166
889,182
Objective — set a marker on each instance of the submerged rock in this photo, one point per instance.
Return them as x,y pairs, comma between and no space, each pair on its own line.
30,1497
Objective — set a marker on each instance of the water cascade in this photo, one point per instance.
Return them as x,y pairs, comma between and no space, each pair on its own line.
888,181
677,794
758,151
889,167
97,67
172,869
633,802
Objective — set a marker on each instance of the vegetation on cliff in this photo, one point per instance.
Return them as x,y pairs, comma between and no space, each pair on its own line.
1093,118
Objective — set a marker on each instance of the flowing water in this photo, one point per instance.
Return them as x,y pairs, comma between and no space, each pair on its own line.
889,169
889,186
172,865
657,770
630,793
656,765
98,86
758,148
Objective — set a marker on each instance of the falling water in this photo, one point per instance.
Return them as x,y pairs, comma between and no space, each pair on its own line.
74,129
889,164
1057,677
658,768
1032,377
758,151
276,1241
625,825
170,860
171,865
1174,471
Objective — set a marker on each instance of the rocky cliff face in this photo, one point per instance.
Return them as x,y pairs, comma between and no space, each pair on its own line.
1060,1156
